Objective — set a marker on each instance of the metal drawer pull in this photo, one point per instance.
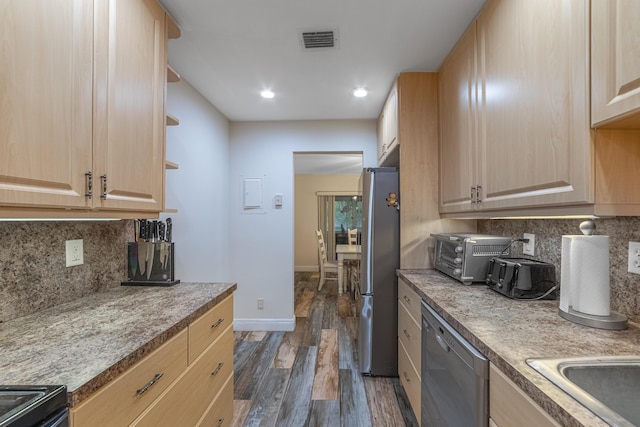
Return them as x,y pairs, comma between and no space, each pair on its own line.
406,334
406,377
104,187
214,373
89,177
407,299
220,421
154,380
215,325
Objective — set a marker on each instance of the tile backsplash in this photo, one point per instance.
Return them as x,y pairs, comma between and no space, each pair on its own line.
33,275
625,287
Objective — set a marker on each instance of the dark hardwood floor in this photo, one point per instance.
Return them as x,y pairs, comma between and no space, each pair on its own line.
310,377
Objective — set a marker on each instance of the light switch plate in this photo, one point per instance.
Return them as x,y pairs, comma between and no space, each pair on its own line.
74,252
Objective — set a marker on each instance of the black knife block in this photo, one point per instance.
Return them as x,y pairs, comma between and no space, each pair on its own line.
150,264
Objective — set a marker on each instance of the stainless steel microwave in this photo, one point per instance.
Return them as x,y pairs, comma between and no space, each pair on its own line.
465,257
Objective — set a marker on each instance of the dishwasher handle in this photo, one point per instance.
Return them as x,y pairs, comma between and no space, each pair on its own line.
443,343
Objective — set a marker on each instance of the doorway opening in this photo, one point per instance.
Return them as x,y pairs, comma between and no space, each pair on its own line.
325,184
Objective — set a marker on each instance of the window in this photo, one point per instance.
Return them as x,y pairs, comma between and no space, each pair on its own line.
347,214
336,215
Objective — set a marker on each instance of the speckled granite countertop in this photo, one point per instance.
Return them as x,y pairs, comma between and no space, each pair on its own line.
87,342
509,331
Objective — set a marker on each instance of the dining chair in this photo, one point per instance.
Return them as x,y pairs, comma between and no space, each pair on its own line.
352,236
325,264
354,264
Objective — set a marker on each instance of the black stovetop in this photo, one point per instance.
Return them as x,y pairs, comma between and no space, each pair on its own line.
25,405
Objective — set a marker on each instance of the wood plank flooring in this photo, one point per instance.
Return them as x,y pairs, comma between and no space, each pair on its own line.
310,376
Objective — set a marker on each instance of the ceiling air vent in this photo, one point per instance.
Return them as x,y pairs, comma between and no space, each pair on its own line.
318,39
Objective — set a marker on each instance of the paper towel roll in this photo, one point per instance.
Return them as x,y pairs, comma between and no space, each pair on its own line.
589,275
565,274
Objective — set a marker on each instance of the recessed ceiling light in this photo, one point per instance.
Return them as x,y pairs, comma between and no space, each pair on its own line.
267,94
360,92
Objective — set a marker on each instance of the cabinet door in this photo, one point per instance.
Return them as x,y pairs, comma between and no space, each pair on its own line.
391,119
388,125
45,102
129,104
458,128
380,129
534,129
615,62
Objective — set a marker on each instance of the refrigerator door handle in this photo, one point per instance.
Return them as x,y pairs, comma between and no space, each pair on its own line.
369,261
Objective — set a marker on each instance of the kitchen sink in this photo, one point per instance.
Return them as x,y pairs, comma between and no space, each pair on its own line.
609,386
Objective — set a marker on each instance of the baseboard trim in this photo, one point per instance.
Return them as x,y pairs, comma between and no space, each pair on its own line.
264,324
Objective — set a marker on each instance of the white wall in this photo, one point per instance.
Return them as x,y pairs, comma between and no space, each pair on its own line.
199,189
306,213
261,245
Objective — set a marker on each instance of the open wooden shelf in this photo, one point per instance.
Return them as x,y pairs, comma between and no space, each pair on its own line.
172,75
170,165
172,121
173,30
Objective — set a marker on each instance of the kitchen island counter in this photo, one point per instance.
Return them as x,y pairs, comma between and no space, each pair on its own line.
509,331
86,343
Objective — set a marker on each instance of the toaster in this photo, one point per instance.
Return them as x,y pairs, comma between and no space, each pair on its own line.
522,278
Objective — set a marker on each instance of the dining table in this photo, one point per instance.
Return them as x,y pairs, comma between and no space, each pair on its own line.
345,252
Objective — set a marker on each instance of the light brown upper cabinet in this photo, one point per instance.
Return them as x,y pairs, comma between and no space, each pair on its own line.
515,129
388,126
129,125
514,118
45,102
83,89
615,64
458,126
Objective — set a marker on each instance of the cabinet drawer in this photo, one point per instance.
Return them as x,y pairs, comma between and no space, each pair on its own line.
122,400
220,412
410,300
409,379
209,326
187,400
409,334
510,406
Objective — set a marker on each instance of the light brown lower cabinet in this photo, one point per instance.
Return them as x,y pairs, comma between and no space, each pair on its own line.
509,406
188,381
409,379
409,344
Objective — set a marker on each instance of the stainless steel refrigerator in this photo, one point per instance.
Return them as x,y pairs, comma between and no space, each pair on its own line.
378,305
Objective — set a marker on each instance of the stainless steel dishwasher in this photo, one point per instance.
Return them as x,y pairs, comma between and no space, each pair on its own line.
455,376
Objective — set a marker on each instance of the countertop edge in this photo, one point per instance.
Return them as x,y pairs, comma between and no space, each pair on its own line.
81,393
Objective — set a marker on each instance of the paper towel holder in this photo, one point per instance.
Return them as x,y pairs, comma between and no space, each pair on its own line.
614,321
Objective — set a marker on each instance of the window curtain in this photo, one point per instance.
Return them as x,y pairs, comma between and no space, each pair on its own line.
325,223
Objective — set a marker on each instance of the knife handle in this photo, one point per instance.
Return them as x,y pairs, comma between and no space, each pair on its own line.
143,229
169,229
161,230
154,231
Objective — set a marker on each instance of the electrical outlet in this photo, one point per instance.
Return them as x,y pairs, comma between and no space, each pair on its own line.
260,303
529,248
74,252
634,258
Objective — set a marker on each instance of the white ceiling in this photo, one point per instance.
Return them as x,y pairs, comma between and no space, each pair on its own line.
230,50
